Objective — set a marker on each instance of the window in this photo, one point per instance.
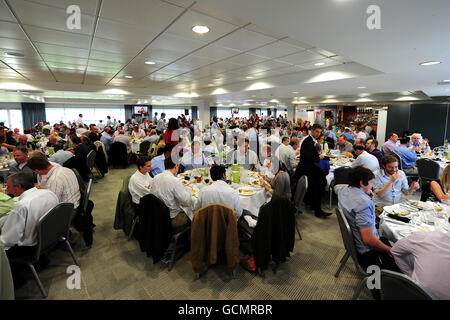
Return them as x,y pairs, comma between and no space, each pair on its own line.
12,118
223,113
90,114
170,112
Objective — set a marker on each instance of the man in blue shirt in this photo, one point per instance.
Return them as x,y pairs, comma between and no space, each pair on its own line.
107,138
158,162
355,202
408,156
390,183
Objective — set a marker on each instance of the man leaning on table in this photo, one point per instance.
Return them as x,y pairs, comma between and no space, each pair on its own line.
219,192
169,189
355,201
390,183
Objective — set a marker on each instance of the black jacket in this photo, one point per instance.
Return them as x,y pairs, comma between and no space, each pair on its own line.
118,155
308,157
274,234
155,229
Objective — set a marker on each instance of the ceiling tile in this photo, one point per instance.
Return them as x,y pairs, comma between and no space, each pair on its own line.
59,38
152,13
243,40
301,57
224,66
64,59
11,30
123,32
277,49
66,51
194,62
328,63
111,57
112,46
5,14
33,14
176,44
245,59
87,6
215,53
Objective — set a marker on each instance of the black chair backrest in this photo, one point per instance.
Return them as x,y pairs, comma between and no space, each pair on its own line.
118,154
53,226
300,191
428,169
341,175
399,159
330,142
81,182
144,146
91,159
397,286
347,238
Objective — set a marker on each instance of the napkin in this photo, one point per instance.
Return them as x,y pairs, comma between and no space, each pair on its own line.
251,222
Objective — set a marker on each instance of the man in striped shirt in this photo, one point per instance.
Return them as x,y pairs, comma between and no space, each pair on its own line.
62,181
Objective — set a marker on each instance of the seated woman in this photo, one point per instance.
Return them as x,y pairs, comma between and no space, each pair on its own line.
281,183
439,188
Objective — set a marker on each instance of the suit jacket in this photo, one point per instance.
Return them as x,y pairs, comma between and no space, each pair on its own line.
213,230
155,229
274,233
125,211
308,158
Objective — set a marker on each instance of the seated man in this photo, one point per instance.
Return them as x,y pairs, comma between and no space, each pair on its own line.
140,182
416,145
107,138
21,157
390,144
194,158
41,179
371,147
345,147
243,156
408,156
152,137
425,256
158,161
122,138
365,159
355,201
210,152
390,183
62,181
219,192
138,133
287,154
169,189
60,156
18,231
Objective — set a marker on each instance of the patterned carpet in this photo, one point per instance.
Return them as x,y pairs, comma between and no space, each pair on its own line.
114,268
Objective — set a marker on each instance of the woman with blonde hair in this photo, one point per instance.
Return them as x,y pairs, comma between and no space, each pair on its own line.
439,188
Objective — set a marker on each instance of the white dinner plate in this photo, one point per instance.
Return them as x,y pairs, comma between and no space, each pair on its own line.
245,191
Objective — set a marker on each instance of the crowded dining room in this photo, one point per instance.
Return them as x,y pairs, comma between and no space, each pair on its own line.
224,151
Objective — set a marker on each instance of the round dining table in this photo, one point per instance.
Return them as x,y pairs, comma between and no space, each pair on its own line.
256,197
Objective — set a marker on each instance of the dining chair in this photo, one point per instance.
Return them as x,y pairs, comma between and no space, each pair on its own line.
349,244
300,191
397,286
52,229
340,177
90,162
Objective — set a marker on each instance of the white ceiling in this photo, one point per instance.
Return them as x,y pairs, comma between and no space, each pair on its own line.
267,49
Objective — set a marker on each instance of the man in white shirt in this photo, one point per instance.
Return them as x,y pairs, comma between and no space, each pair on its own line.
359,133
151,137
138,133
194,158
80,120
210,152
287,154
122,138
19,227
161,126
243,156
365,159
141,182
169,189
60,156
219,192
62,181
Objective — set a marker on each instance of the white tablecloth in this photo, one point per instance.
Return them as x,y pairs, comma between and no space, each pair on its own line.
251,203
395,230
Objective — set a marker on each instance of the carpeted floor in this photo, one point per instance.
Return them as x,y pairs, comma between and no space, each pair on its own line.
114,268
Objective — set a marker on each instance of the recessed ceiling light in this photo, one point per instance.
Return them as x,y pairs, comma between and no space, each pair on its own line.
362,87
448,80
295,92
129,77
210,84
14,54
319,63
429,63
150,62
200,29
249,77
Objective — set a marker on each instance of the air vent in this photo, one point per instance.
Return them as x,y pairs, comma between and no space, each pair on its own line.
444,83
14,54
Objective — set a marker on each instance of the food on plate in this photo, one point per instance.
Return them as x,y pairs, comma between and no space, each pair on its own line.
246,192
256,182
184,182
